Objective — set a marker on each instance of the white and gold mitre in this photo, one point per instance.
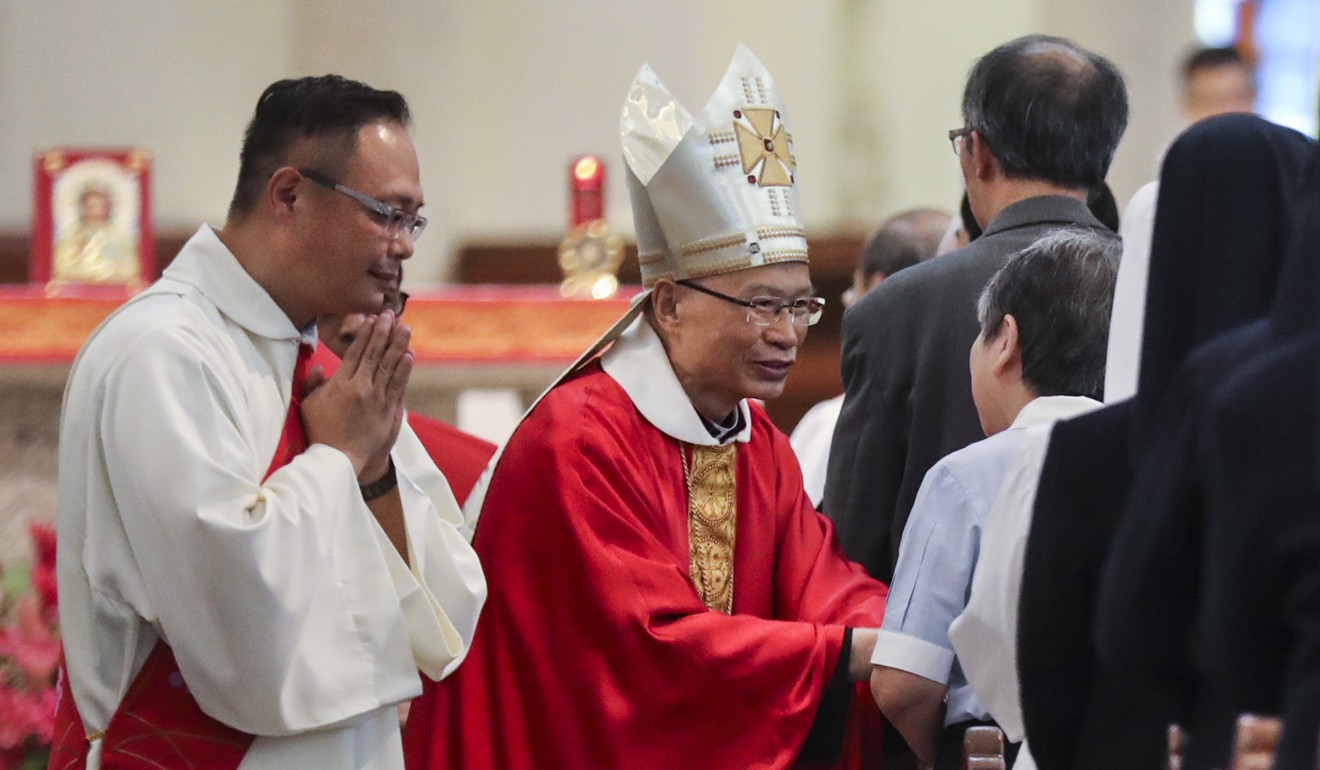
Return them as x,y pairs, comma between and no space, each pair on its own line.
717,194
708,197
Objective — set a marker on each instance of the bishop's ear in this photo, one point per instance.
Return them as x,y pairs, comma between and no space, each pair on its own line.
664,304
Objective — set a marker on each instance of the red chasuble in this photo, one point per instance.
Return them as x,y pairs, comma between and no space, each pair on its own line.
594,649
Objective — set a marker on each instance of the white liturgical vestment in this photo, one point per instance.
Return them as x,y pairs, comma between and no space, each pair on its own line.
290,614
1123,360
811,443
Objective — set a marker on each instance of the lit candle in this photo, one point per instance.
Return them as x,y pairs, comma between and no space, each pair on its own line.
587,190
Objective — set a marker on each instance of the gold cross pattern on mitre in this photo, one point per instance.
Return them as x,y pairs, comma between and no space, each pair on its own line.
763,143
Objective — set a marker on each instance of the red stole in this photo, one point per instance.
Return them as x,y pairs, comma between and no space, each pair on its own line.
158,723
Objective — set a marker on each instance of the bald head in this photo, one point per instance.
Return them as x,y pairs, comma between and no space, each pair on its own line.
1048,109
903,240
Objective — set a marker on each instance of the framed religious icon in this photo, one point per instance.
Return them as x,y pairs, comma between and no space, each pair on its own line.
92,219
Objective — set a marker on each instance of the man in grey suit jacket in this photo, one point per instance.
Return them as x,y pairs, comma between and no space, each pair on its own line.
1042,118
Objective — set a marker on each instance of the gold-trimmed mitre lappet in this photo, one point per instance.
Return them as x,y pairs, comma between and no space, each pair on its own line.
717,194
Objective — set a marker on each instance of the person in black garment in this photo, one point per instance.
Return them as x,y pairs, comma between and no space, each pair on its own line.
1224,212
1243,510
1161,540
1260,603
1042,118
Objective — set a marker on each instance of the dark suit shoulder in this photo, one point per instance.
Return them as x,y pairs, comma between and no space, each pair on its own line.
931,286
950,278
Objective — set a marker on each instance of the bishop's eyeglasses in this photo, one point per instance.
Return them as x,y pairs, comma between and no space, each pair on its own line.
765,311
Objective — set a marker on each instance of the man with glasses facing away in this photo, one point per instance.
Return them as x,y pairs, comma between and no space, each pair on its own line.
1042,118
256,559
663,593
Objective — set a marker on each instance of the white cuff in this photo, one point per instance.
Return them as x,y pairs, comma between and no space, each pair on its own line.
909,653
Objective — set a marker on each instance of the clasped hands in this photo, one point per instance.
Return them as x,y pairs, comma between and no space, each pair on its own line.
358,409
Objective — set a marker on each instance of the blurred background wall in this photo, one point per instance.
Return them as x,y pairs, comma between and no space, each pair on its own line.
505,92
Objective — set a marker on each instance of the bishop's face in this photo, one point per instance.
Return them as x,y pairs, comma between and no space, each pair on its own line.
719,355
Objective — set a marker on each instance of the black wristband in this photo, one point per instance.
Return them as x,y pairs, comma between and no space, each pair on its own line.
381,486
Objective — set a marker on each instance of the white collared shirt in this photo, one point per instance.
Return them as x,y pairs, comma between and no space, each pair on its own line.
985,634
939,553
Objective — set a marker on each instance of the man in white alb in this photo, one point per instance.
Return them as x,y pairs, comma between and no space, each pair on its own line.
256,560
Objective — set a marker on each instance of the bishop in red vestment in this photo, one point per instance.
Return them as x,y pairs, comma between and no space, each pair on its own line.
662,592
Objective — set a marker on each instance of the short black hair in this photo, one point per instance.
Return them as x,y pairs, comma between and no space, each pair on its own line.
329,107
1048,109
1060,290
1209,58
1100,200
903,240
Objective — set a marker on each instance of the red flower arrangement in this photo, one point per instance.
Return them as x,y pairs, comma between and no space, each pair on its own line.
29,656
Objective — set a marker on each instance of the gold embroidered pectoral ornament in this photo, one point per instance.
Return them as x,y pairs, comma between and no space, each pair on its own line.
712,521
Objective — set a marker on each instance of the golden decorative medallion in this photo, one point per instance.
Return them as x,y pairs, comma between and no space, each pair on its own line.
590,257
763,144
712,521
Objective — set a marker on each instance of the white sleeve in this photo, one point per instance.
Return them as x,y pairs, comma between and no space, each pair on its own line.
443,591
935,563
985,634
273,595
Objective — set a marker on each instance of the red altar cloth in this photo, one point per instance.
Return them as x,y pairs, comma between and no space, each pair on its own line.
461,325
